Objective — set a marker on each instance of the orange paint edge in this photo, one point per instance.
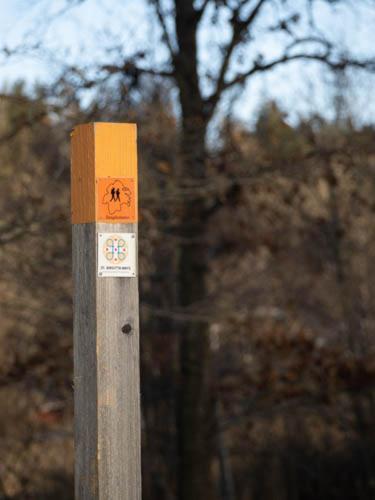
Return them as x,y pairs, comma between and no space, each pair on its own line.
102,152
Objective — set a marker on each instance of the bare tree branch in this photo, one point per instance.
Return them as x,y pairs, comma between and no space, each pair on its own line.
166,36
258,67
239,28
202,9
130,68
309,39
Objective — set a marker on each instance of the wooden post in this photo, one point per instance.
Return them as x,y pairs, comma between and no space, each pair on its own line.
106,316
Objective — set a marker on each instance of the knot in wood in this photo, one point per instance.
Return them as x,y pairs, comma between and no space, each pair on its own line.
126,328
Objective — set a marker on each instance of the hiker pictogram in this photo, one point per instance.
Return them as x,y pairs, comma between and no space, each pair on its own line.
116,199
117,195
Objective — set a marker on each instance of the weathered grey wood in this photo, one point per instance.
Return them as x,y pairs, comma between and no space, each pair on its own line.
85,362
106,365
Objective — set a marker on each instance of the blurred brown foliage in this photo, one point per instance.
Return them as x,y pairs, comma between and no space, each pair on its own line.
290,307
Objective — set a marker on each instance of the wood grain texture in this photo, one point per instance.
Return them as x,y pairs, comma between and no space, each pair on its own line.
83,203
100,150
106,364
115,150
85,362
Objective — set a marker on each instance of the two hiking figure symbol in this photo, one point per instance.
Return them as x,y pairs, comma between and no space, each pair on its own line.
117,196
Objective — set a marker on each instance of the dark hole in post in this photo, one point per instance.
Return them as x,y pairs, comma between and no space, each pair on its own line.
126,328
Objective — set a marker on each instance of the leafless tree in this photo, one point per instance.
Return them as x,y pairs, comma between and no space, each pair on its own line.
200,93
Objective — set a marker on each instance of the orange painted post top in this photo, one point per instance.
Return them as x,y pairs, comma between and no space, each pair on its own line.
104,174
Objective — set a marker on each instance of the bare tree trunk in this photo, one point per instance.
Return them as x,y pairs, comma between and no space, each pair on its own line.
194,408
194,411
348,290
363,405
227,490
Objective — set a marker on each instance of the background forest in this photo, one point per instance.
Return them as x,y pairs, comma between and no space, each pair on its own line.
281,388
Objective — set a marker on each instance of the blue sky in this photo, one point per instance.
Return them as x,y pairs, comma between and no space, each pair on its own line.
88,32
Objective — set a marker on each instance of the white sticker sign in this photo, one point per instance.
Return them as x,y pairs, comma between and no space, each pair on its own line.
117,255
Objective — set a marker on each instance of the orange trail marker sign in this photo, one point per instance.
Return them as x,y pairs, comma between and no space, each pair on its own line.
104,194
116,200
